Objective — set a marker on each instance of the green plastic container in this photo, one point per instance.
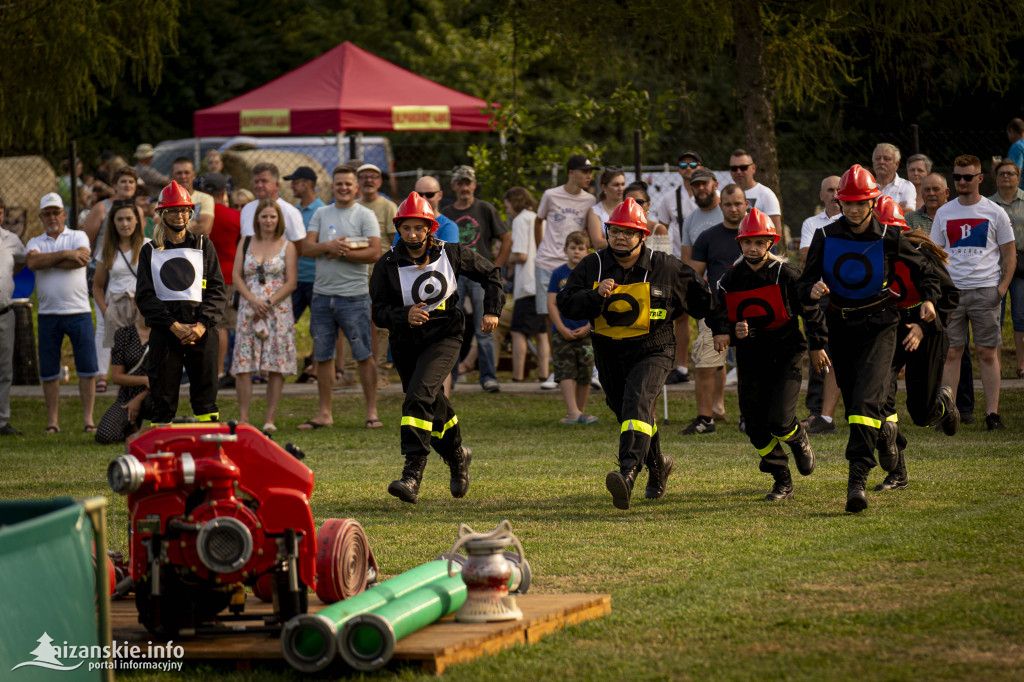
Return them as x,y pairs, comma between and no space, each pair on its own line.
48,596
309,641
367,641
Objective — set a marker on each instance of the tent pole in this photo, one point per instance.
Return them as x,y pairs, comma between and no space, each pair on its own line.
197,150
341,148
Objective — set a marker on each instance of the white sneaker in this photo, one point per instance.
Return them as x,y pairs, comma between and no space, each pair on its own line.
730,378
550,384
595,382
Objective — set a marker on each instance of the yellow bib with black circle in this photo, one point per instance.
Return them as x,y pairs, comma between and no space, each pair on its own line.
627,312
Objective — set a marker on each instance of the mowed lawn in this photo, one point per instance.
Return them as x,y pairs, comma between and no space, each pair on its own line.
711,583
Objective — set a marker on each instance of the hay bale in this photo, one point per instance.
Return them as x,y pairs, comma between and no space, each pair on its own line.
23,182
239,165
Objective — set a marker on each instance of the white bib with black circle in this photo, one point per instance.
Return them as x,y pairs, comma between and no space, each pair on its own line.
432,284
178,275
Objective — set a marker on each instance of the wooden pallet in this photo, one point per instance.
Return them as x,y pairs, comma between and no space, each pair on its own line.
434,647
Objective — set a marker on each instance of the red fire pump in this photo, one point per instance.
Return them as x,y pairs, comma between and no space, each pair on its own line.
215,507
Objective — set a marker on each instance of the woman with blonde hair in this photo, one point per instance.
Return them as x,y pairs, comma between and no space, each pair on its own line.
266,274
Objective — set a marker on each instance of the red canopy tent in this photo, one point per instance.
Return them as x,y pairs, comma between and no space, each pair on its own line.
346,88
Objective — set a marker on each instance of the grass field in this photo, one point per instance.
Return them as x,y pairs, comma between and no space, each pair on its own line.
711,583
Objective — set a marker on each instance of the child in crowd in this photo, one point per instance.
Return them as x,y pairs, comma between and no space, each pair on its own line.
571,352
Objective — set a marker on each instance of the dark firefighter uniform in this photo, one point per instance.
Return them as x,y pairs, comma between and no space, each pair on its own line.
634,343
426,354
862,319
181,283
770,360
924,365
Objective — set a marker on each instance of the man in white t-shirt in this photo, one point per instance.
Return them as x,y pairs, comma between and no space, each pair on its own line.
266,183
562,210
519,206
742,169
975,232
822,390
827,195
886,160
59,257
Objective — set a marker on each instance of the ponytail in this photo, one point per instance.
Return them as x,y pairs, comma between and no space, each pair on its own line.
921,240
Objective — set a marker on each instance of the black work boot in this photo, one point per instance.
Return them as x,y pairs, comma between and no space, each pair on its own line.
800,444
897,478
620,483
888,451
856,500
950,421
407,488
458,464
658,470
783,488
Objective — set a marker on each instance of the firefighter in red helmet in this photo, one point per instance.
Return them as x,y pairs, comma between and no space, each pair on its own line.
757,310
853,261
631,295
180,292
415,296
920,346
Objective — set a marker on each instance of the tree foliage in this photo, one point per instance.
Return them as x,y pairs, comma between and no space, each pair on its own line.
58,56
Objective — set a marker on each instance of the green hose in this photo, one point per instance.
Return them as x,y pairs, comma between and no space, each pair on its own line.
309,641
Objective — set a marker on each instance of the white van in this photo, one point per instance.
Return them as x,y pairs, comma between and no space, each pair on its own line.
328,151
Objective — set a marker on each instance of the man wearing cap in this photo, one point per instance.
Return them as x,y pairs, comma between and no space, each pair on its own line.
304,189
630,294
370,180
225,239
562,210
153,179
708,214
479,225
12,260
266,183
59,257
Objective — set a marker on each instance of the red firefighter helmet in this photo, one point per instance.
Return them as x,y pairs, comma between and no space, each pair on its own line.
857,184
174,195
629,214
888,212
416,206
757,224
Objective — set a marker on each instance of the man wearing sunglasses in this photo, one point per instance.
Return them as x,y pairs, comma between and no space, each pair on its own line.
976,232
742,169
429,188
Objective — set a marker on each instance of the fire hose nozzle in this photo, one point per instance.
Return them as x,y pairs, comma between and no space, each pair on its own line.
125,474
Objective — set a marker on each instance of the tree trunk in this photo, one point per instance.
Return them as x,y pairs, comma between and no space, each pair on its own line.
752,89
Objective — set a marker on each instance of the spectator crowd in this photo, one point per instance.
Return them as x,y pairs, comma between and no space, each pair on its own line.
275,260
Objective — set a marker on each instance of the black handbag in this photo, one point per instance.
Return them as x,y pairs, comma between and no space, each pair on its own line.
1019,272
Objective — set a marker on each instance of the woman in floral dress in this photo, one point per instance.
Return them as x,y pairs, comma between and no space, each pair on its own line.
266,274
